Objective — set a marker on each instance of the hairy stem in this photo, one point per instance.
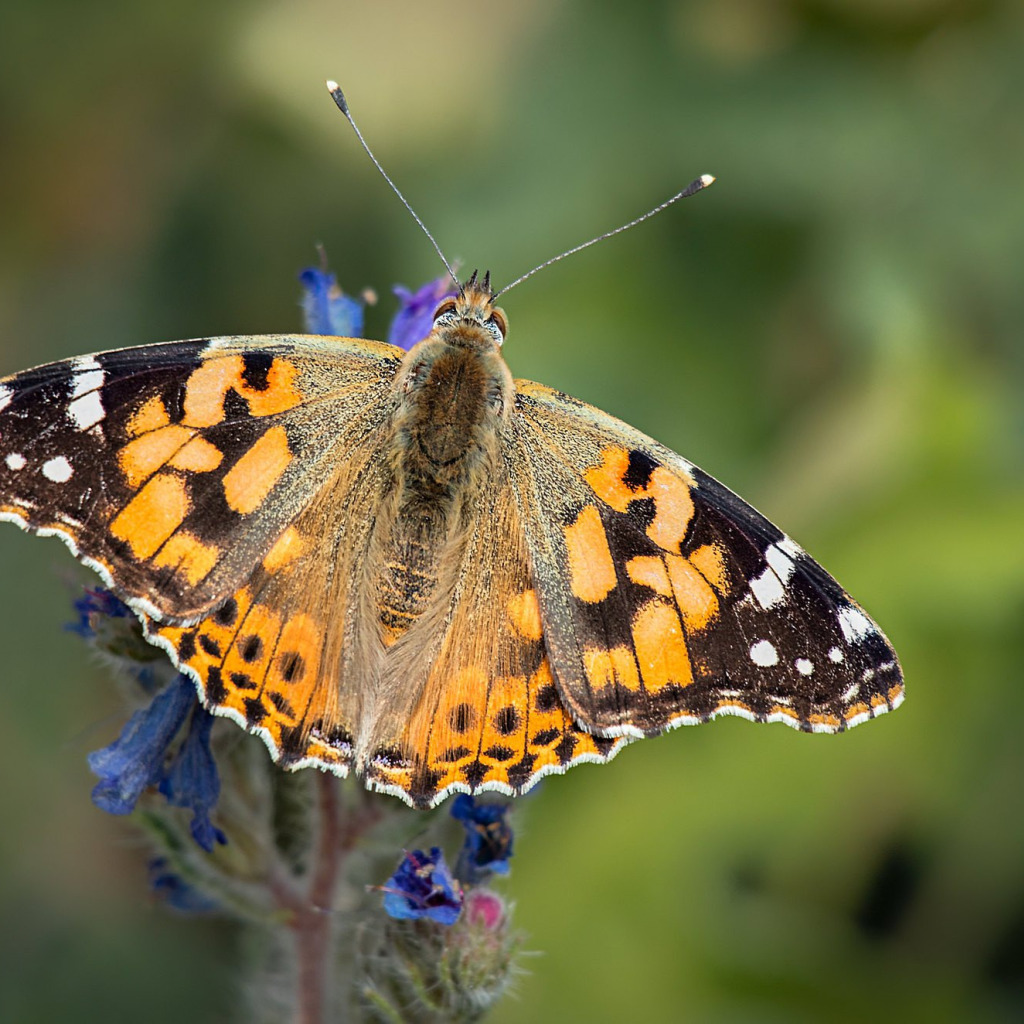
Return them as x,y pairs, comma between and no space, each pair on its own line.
313,913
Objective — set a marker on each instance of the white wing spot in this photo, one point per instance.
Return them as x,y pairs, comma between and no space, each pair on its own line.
836,655
58,470
767,589
803,666
86,407
763,653
770,587
6,394
790,547
87,411
89,376
15,461
780,562
854,624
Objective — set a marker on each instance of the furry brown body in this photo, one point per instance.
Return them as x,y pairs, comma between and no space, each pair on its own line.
452,395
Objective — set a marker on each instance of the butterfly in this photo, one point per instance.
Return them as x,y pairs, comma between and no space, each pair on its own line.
411,566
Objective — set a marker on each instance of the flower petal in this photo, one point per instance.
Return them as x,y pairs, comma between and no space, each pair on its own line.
423,886
328,310
415,317
489,838
191,781
135,760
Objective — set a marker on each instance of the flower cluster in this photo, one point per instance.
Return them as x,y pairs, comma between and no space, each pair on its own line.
424,887
141,757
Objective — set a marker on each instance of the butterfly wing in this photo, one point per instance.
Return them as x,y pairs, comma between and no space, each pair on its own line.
489,715
203,480
156,464
666,599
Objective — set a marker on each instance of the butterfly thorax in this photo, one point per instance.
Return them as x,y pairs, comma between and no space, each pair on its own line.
453,394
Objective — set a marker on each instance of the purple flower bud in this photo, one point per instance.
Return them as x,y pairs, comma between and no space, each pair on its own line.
415,317
135,760
485,909
191,781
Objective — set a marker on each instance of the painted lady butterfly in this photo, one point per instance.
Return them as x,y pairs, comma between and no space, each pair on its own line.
412,566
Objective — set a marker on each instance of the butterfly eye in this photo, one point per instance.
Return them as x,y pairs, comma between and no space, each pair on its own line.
444,311
497,325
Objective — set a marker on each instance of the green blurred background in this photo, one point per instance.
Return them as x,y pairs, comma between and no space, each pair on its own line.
834,330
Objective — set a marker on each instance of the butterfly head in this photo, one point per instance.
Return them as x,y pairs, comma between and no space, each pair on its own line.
471,318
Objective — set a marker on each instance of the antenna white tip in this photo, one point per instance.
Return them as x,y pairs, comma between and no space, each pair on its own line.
338,96
707,179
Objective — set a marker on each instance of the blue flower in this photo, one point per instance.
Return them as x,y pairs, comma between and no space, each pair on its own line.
488,844
415,317
175,891
135,760
326,309
96,601
422,886
191,781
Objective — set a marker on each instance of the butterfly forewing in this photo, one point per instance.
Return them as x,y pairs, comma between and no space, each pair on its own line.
666,599
173,468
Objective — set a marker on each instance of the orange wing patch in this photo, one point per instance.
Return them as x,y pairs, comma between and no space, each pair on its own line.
524,614
198,456
290,546
615,666
709,561
151,415
502,734
189,556
150,518
673,504
695,598
252,477
591,569
208,386
140,458
660,646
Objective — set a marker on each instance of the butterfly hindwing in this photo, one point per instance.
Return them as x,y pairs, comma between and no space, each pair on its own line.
666,599
489,715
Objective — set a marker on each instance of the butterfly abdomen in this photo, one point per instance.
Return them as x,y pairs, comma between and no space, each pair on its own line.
443,447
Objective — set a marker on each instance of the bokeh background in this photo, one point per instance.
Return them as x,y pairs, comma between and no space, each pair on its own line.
834,329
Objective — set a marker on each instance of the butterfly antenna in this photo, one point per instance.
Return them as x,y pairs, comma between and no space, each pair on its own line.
695,186
339,98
